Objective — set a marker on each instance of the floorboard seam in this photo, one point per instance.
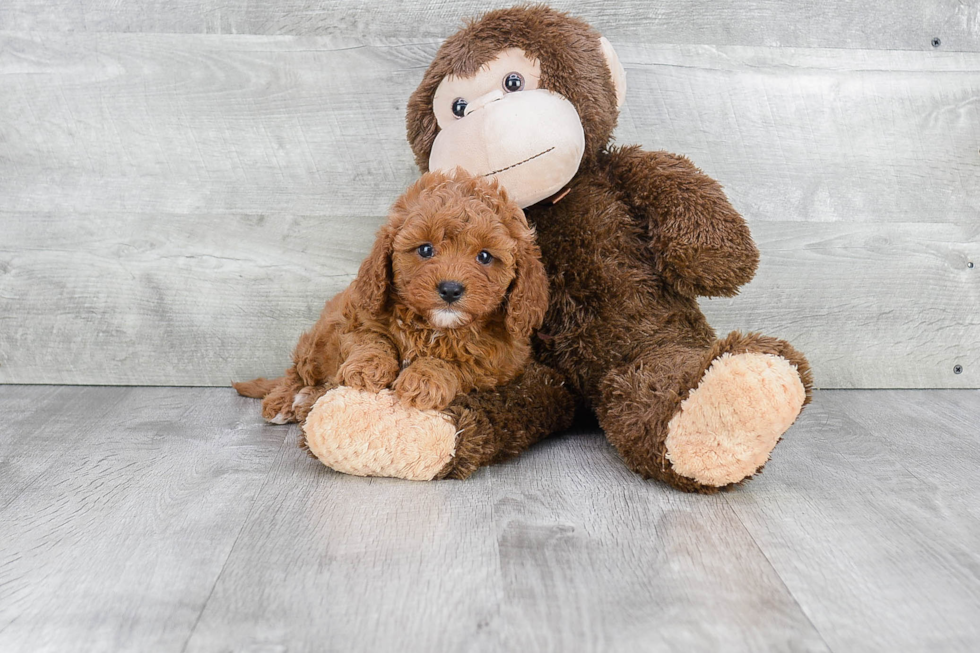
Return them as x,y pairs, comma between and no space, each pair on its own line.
496,545
775,571
231,550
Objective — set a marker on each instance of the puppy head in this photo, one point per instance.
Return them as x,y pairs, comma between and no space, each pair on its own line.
455,249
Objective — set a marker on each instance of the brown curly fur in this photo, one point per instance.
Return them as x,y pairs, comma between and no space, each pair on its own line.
380,331
639,236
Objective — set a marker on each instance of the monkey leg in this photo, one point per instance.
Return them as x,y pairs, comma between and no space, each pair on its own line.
498,424
701,419
369,434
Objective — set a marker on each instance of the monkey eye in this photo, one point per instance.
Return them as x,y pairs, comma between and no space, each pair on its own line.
459,107
484,257
426,250
513,82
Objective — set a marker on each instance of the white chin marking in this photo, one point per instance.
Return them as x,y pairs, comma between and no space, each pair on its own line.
445,318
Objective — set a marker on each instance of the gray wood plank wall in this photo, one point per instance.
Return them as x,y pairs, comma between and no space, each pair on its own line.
182,184
883,24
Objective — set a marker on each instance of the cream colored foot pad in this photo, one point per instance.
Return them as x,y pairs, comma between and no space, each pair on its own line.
729,424
371,434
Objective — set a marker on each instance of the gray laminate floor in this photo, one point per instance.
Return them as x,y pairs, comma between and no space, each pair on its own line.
169,519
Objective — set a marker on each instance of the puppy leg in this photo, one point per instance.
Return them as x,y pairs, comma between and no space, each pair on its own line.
315,361
316,357
277,407
307,396
372,364
291,400
427,384
310,377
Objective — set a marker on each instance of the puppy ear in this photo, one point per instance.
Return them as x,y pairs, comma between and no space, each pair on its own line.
528,299
374,278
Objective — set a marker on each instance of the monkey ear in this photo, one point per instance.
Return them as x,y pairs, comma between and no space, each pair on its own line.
616,70
528,299
374,279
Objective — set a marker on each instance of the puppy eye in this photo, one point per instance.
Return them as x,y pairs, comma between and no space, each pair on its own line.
513,82
426,251
459,107
484,258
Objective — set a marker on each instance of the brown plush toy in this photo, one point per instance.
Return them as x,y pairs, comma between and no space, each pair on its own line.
629,239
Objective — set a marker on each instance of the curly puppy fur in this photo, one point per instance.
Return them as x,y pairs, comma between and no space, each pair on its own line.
393,328
638,237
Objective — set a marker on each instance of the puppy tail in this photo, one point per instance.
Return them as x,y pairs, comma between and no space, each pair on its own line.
256,388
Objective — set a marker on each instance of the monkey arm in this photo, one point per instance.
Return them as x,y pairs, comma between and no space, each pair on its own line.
701,245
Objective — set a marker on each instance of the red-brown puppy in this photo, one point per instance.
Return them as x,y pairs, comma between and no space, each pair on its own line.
445,303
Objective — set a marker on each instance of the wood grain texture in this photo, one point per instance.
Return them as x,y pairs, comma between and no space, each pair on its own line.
119,509
196,301
152,300
139,123
24,408
816,135
110,123
888,24
329,562
882,491
872,305
174,519
593,558
176,208
582,557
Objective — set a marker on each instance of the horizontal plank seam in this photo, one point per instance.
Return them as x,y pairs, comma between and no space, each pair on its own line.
438,41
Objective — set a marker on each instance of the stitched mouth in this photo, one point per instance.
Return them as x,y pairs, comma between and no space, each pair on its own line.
519,163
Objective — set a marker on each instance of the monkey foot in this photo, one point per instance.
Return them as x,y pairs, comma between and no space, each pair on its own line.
728,425
372,434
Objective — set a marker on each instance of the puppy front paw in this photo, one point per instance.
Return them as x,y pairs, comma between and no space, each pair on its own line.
368,371
426,389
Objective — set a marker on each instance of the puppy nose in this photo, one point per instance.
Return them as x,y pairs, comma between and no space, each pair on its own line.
450,291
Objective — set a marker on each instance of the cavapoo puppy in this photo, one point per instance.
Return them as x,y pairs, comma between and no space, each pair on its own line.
445,303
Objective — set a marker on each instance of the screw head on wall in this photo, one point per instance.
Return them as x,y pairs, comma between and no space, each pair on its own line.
957,369
936,42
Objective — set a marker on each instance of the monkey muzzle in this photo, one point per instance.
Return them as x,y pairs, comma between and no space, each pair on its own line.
531,141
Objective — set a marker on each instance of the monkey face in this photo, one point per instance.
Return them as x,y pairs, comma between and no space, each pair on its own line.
500,123
525,95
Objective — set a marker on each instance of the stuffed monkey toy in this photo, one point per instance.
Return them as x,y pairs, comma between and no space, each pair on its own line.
630,239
